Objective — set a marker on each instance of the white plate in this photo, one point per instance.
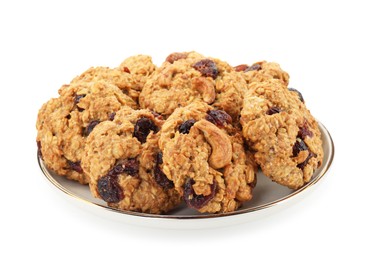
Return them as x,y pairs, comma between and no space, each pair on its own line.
268,197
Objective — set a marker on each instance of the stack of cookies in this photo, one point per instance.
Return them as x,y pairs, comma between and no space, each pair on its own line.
193,130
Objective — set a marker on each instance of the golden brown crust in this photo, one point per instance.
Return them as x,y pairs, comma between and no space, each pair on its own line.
190,156
179,82
283,134
64,122
113,142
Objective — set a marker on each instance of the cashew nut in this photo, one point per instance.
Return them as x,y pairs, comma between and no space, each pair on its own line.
221,154
206,87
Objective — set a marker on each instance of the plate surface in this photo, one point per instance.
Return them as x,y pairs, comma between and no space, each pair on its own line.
268,197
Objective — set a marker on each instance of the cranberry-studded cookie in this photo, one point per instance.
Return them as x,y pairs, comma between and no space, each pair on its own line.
122,161
282,133
263,71
204,156
140,67
187,77
63,124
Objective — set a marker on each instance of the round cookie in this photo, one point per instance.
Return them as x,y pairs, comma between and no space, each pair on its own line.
203,154
64,122
282,133
140,67
187,77
263,71
122,161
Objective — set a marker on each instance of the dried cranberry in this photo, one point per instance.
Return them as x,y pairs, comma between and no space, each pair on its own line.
299,94
109,189
176,56
90,127
142,129
218,117
273,110
111,116
304,131
303,164
162,180
186,126
301,146
159,158
298,147
126,69
160,177
241,67
75,166
129,166
117,169
207,68
39,149
255,66
78,98
197,201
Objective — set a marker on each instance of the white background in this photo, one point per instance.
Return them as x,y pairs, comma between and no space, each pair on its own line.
324,45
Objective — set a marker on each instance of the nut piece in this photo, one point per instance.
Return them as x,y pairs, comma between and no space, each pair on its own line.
221,154
176,56
206,87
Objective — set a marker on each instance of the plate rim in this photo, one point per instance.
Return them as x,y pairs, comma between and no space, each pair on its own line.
264,206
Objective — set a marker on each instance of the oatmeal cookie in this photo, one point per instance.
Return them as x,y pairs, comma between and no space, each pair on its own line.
122,161
203,154
187,77
63,124
282,133
263,71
